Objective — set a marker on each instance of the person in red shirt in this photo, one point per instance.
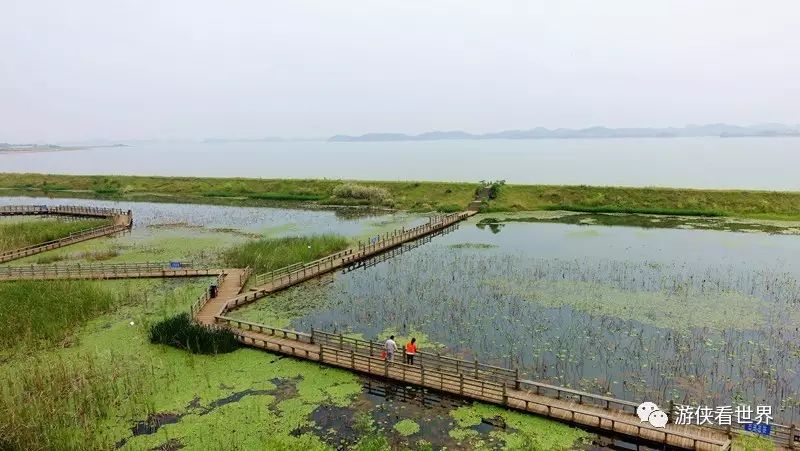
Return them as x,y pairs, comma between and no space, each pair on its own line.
411,351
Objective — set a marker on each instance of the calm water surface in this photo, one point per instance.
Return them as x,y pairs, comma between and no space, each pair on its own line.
273,221
700,317
756,163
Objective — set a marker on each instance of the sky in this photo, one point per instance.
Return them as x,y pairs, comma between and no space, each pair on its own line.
194,69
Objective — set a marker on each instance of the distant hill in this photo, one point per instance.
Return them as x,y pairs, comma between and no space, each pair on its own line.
721,130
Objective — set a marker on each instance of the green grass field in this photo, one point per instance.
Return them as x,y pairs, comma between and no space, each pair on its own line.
17,234
414,196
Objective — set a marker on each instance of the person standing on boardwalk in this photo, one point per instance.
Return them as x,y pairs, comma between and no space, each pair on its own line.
411,351
391,348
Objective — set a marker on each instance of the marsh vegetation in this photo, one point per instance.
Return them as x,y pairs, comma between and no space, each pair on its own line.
675,314
15,234
273,253
419,196
634,319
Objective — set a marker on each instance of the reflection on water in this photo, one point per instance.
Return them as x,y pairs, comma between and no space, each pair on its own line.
693,316
274,221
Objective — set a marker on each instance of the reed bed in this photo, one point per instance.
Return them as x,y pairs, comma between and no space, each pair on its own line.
273,253
42,313
53,403
181,332
715,334
15,235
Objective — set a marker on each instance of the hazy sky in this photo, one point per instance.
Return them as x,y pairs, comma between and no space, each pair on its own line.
82,69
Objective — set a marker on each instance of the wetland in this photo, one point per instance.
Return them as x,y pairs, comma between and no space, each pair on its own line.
693,315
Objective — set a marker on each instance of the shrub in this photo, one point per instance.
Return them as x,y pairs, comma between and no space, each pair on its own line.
286,196
181,332
373,194
449,208
489,189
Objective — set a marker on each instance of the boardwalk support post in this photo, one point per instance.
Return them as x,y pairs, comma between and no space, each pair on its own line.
312,336
505,395
516,380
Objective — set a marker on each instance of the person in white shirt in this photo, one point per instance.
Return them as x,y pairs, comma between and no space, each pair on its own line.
391,348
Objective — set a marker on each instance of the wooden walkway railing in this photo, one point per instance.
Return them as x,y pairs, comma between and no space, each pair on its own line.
120,221
201,302
106,271
476,381
95,212
273,281
72,238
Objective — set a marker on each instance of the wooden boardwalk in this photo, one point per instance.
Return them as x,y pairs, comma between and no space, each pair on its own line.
479,382
272,282
473,380
120,221
229,284
101,271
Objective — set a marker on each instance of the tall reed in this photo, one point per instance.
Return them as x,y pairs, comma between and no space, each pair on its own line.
273,253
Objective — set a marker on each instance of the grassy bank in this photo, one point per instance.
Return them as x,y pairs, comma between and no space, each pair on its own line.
273,253
14,235
414,196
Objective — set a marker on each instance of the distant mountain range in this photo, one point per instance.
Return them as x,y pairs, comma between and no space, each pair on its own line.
721,130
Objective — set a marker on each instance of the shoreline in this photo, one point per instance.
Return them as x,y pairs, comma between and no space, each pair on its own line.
414,196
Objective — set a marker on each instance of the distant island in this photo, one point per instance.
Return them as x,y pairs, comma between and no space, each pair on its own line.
719,130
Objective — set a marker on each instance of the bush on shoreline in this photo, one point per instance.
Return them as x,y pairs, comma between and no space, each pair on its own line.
371,195
181,332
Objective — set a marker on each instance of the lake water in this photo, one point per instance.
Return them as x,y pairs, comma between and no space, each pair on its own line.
697,317
751,163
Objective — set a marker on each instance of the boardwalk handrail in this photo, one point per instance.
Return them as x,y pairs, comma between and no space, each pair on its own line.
60,210
299,270
432,360
285,333
582,397
78,269
449,381
201,301
71,236
504,378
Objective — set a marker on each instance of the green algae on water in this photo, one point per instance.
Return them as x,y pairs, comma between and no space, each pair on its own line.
406,427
